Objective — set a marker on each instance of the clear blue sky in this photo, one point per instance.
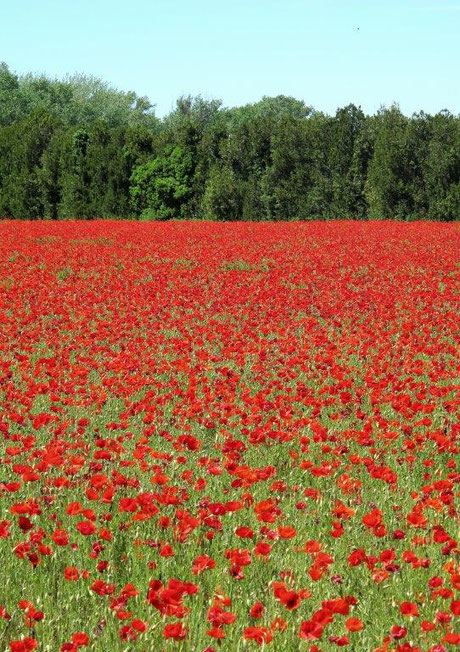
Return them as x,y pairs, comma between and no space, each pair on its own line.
405,51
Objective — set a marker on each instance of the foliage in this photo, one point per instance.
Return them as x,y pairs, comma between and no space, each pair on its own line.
76,100
77,148
223,197
160,187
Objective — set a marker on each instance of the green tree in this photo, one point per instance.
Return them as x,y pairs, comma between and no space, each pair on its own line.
388,182
75,202
345,130
10,101
22,148
160,188
442,168
223,197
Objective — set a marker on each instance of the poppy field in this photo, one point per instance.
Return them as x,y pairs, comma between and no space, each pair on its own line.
229,436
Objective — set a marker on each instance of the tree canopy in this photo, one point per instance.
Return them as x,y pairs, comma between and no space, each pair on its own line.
78,148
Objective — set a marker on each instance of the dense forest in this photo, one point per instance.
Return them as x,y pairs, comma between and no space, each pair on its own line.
79,149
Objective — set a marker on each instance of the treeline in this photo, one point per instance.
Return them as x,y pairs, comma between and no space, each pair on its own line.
78,149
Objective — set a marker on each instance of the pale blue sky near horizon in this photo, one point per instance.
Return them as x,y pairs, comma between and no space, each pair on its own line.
326,52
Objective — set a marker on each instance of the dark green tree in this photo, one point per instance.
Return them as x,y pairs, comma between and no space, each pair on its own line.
161,187
388,182
442,168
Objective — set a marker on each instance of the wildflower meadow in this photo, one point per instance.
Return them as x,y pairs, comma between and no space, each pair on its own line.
219,437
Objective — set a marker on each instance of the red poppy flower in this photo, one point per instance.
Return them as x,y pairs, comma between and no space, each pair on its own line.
354,624
261,635
80,639
408,609
86,527
257,610
176,631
